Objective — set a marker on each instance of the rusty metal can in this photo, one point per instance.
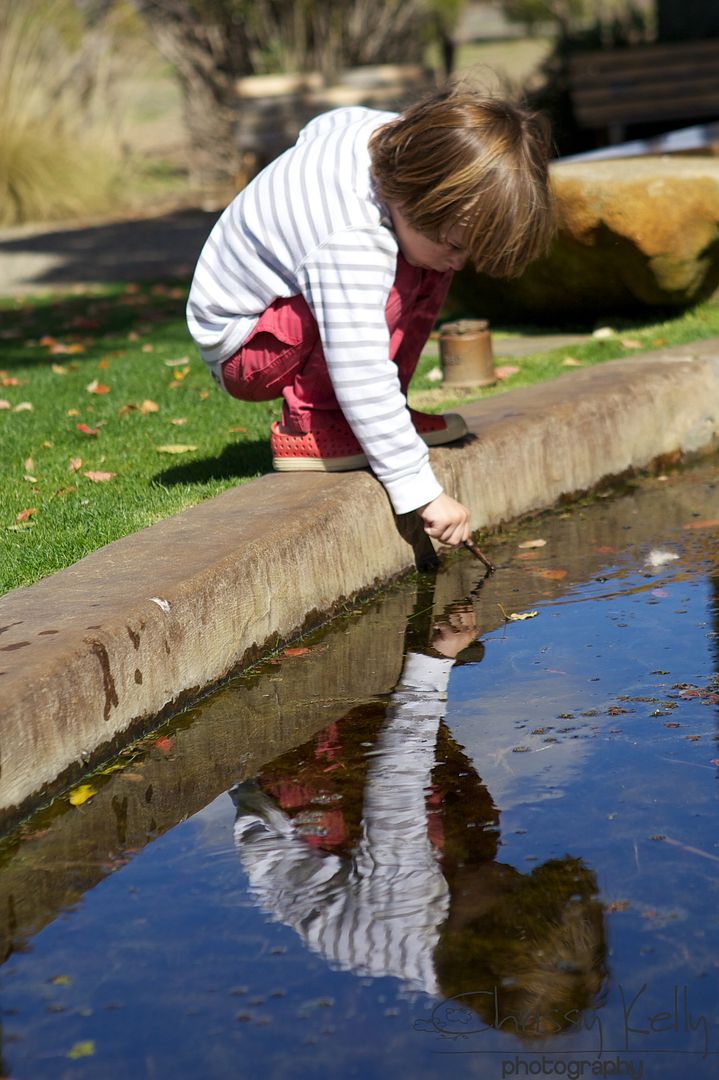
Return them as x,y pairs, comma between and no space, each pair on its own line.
465,351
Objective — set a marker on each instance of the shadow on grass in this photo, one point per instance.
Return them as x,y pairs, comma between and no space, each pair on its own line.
87,324
241,461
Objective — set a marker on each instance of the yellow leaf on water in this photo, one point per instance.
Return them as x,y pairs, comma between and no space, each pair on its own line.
532,544
175,448
81,794
81,1050
514,617
61,980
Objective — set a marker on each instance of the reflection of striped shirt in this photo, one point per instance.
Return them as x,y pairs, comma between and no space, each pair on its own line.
312,224
380,912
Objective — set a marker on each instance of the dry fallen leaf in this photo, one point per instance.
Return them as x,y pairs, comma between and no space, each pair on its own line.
177,363
514,617
148,348
28,464
550,575
505,371
73,412
237,430
148,407
81,794
297,651
180,373
631,343
85,429
81,1050
178,421
99,477
58,369
5,404
176,448
532,544
25,514
571,361
23,406
9,380
709,523
96,387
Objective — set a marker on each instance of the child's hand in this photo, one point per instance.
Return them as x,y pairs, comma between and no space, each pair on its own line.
446,520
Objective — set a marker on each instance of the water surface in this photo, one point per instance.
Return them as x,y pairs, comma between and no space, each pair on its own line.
371,853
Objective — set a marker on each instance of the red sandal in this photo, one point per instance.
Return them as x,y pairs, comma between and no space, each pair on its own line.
335,449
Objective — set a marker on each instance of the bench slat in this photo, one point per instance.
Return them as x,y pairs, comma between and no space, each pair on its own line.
612,88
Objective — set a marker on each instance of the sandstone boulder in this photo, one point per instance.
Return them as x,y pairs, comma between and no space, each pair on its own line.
634,233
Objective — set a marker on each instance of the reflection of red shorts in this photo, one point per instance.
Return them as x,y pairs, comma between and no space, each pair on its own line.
283,356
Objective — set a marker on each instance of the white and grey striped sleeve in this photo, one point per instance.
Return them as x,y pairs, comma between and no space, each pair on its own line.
346,282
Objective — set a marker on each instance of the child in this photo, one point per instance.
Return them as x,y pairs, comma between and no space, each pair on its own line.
322,279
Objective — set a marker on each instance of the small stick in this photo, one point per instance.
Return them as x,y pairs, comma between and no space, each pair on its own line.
478,555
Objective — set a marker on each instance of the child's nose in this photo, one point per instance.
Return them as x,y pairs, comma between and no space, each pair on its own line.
458,260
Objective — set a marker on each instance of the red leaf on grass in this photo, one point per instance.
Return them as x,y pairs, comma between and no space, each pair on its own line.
85,429
96,387
25,514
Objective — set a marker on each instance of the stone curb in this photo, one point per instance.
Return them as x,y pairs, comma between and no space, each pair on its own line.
91,655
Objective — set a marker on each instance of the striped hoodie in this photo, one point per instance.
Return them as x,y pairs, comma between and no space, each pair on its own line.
311,223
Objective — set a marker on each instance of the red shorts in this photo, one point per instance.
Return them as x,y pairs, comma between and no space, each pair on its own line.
283,355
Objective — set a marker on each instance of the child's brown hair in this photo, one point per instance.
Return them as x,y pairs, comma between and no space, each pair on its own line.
463,158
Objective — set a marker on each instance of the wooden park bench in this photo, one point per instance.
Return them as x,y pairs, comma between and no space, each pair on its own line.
613,88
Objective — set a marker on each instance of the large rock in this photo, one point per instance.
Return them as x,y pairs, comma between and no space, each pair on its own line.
634,234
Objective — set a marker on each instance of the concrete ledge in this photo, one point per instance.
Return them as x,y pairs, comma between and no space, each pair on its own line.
139,628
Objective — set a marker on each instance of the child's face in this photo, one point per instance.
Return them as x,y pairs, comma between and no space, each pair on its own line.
445,254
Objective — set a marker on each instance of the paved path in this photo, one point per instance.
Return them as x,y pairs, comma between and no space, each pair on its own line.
42,258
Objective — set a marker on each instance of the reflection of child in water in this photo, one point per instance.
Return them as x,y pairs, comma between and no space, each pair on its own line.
414,890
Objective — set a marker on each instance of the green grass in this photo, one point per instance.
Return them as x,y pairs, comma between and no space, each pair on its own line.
124,338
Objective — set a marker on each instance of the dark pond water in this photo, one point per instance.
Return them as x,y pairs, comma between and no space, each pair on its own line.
429,840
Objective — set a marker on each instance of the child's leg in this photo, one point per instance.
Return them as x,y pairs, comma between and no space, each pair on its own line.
276,351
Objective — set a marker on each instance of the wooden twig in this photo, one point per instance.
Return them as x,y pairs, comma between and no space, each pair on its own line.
478,555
